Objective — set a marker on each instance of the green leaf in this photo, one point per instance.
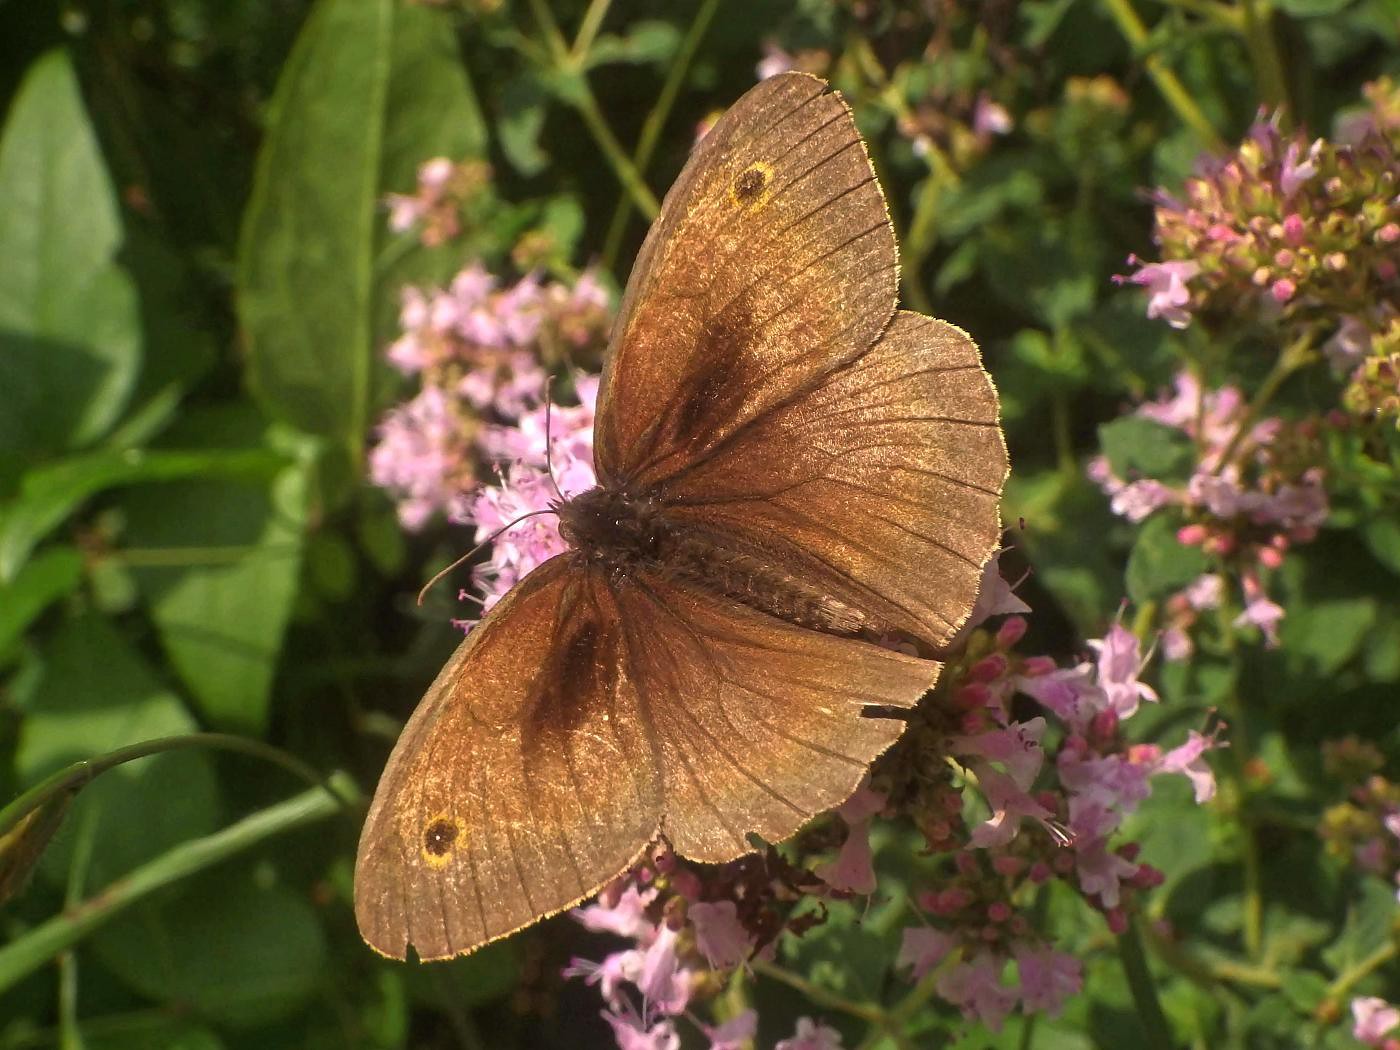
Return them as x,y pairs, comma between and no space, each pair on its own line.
1327,633
150,1032
225,946
305,260
1158,564
94,694
70,336
40,582
646,41
1382,535
1138,447
1314,8
222,602
50,493
520,122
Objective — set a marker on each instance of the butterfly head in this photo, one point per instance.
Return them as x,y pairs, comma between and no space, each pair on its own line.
610,525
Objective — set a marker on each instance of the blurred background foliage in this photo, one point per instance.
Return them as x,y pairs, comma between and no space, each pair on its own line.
196,288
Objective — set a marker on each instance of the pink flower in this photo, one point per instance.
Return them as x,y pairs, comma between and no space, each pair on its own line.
1293,174
923,948
811,1035
1373,1019
1119,664
1138,499
420,456
1264,614
664,985
1101,871
853,870
719,935
1206,591
1016,747
517,550
990,117
626,918
775,60
734,1033
975,988
1048,978
1188,759
631,1032
616,969
1068,692
1010,804
1165,282
1176,645
863,804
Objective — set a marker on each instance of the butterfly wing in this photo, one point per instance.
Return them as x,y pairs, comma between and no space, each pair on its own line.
759,723
771,263
881,485
524,781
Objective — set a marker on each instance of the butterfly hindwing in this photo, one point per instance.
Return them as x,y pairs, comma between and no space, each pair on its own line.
525,780
759,723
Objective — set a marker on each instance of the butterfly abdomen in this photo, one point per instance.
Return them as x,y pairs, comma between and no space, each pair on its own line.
625,534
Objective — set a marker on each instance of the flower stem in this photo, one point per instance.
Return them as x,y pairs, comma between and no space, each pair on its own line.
1143,988
1295,356
656,121
868,1012
579,95
72,778
588,29
1259,39
1173,91
37,945
1356,973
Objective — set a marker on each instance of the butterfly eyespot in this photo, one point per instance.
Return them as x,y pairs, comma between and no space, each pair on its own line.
439,839
750,189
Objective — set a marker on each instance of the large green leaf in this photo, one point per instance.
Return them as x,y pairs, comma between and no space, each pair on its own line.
70,337
231,554
371,89
305,267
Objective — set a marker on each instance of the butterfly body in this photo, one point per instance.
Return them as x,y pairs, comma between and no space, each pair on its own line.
624,535
792,473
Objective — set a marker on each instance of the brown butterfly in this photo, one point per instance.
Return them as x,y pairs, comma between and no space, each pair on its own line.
793,477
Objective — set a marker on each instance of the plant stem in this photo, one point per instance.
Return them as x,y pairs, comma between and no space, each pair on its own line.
79,774
580,96
1173,91
588,29
656,120
1143,988
1257,27
821,996
38,945
1357,972
1295,356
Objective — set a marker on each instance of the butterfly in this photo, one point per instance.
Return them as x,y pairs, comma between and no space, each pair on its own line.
798,486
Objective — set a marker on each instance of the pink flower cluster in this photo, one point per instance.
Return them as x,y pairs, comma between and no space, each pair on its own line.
478,352
444,187
1375,1022
1285,229
678,941
1364,830
1254,492
977,927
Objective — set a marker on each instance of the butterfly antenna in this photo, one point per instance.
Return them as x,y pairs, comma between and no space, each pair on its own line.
548,439
508,525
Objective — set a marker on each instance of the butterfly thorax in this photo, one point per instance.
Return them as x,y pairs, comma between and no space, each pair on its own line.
624,534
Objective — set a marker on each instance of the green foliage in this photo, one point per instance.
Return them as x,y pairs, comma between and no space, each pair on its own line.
198,285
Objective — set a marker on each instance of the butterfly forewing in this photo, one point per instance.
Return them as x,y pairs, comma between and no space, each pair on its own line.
772,262
525,780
